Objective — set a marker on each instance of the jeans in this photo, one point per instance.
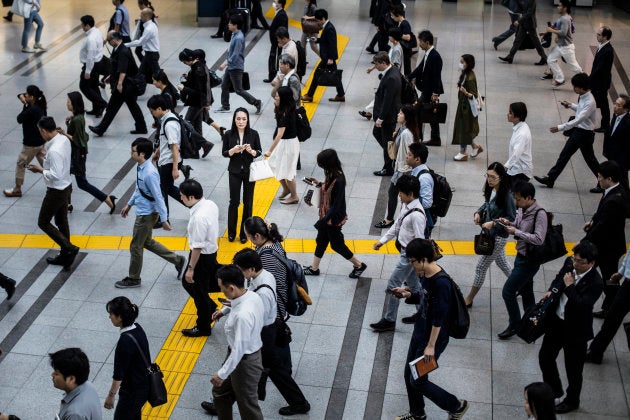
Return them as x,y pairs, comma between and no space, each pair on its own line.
55,205
85,185
402,272
167,183
521,281
28,22
235,77
581,140
143,238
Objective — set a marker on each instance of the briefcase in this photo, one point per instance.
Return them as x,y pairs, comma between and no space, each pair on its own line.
244,82
329,77
534,320
433,112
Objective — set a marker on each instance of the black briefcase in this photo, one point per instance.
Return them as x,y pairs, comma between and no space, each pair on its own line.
535,318
433,112
329,77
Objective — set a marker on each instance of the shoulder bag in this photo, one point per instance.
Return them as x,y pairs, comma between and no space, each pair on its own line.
553,246
259,170
484,243
157,390
534,319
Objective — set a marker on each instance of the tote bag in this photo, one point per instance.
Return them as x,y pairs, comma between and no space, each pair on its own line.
259,170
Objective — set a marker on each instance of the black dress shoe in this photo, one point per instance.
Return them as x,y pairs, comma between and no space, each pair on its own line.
370,50
590,357
410,319
206,147
506,59
383,172
216,36
209,407
113,199
231,238
600,314
565,407
136,131
542,62
383,224
266,80
544,180
98,112
383,325
8,286
186,171
507,333
243,240
433,142
597,190
296,409
96,130
180,267
196,332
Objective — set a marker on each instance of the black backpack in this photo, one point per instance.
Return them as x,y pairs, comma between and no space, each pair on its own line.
297,300
190,140
553,246
442,193
458,316
302,125
300,68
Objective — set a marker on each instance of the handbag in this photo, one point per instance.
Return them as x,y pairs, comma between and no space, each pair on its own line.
283,333
215,80
534,319
157,390
244,83
310,26
626,328
553,247
259,170
329,76
303,126
433,112
18,6
484,243
392,149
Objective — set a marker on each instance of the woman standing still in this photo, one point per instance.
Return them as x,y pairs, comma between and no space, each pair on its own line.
34,108
130,379
332,215
285,149
241,144
75,132
466,124
498,203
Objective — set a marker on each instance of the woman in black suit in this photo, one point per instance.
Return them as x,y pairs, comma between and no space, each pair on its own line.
241,144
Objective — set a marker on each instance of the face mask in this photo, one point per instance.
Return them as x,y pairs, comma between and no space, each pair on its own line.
461,66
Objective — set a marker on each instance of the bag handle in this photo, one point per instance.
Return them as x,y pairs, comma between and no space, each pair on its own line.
144,358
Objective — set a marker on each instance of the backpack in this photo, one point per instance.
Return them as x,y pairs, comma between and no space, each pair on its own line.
302,125
190,140
458,316
553,246
297,289
442,193
300,68
408,93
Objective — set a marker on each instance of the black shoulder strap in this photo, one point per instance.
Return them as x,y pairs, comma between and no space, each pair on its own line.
168,120
418,209
536,216
144,358
268,287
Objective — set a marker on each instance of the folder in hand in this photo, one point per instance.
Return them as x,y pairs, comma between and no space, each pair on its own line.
420,366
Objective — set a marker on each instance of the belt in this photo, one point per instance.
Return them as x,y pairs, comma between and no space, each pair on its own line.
246,356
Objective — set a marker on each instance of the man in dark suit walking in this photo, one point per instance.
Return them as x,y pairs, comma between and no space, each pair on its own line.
601,76
328,53
570,324
428,76
606,228
386,107
526,27
281,20
616,144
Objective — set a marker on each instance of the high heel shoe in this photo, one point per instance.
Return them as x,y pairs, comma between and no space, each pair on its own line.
113,199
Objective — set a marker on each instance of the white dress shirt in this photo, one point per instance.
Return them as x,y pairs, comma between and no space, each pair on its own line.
57,163
203,226
289,49
267,295
618,119
563,297
169,134
520,151
242,330
585,112
92,49
407,228
149,41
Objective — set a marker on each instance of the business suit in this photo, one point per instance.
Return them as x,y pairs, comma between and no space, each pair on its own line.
617,146
570,334
281,20
607,233
327,51
601,78
527,28
429,81
386,107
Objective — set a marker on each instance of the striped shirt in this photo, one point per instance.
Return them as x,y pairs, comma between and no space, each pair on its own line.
279,271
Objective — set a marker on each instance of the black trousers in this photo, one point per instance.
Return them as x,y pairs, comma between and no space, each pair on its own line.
272,64
522,32
608,263
557,339
235,182
384,134
149,65
167,183
55,205
601,100
204,283
392,201
89,88
581,140
115,103
130,404
616,313
435,127
314,84
331,235
257,15
407,61
517,178
276,363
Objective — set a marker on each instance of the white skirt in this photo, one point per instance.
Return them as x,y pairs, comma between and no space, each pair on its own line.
283,160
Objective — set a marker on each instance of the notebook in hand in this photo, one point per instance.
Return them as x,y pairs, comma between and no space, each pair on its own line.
420,367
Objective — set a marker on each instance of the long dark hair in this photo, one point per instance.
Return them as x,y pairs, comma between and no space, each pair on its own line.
121,306
540,400
76,99
328,160
411,121
234,129
171,90
256,225
503,192
40,99
469,59
287,103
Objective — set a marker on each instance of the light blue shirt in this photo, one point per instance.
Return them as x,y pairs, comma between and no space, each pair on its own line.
236,52
426,185
149,180
624,270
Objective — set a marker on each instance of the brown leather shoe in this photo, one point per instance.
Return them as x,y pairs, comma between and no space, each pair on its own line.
337,99
307,98
12,193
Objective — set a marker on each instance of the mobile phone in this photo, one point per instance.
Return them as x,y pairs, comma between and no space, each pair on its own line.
500,223
223,301
309,181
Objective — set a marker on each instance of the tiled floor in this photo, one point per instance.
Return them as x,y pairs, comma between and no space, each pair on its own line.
345,370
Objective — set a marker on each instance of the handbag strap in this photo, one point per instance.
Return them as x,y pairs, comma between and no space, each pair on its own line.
144,358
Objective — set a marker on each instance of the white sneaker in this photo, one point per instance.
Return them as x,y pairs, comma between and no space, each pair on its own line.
27,50
460,157
39,47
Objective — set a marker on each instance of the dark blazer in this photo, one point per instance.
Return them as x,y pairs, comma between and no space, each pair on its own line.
578,312
387,99
280,20
122,62
601,77
195,89
609,222
429,81
328,43
528,13
239,162
617,145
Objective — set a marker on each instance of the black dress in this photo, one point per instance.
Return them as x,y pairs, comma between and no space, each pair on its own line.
129,367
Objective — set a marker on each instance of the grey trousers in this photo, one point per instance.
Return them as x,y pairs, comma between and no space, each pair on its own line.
241,386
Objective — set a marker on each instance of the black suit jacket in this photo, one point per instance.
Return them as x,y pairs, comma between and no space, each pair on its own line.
429,81
528,13
617,144
578,312
328,43
280,20
239,162
609,222
387,98
122,62
601,77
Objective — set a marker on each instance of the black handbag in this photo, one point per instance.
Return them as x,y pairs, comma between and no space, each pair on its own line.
244,82
283,333
214,79
329,76
484,243
534,319
553,247
626,328
433,112
157,390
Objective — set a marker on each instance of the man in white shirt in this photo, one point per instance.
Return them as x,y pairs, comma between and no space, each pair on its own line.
91,56
150,43
237,380
519,163
289,48
582,131
410,225
289,78
56,172
417,156
203,231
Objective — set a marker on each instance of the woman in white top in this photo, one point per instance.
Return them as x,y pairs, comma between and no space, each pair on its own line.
519,164
31,15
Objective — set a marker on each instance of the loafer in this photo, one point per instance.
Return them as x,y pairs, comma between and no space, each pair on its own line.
209,407
506,59
308,271
366,114
337,98
96,130
307,98
432,142
127,283
507,333
383,325
591,357
383,224
597,190
411,319
216,36
207,146
144,131
196,332
544,180
296,409
180,267
600,314
565,407
12,193
383,172
357,271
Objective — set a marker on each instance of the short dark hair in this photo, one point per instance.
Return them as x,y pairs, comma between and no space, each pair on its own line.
248,258
231,275
581,80
158,101
421,249
610,169
121,306
47,123
191,187
524,189
566,4
395,33
381,57
626,101
282,32
115,35
606,32
426,36
143,146
408,184
586,249
282,2
419,150
71,362
519,110
397,10
87,20
237,19
288,60
321,14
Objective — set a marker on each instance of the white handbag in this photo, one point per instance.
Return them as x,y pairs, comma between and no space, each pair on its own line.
18,7
259,170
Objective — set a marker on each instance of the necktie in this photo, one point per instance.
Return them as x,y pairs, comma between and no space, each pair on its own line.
615,124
